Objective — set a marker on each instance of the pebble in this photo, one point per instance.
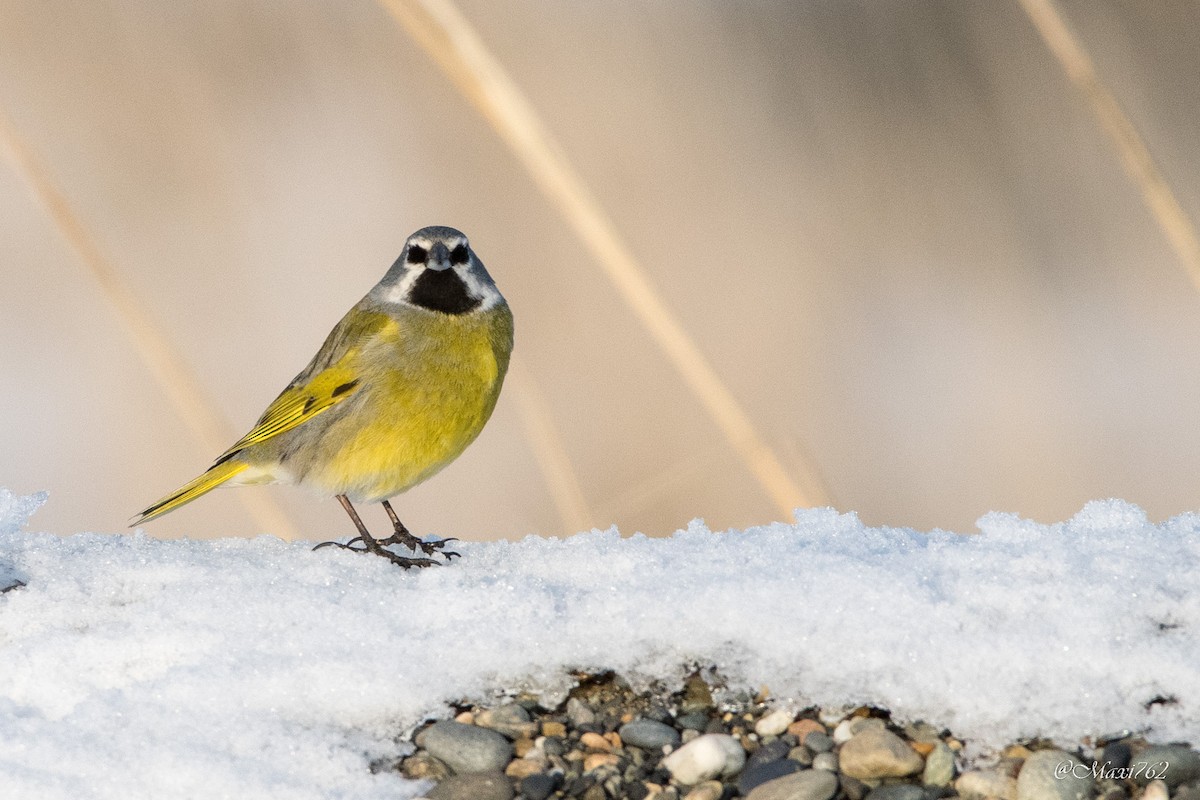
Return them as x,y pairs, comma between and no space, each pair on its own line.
1174,763
853,788
1115,755
809,784
819,742
706,791
1053,775
801,755
832,716
1156,790
695,721
759,774
842,733
550,728
898,791
522,768
540,786
696,695
877,753
825,761
510,720
648,734
939,766
922,732
775,723
476,786
597,761
860,724
803,727
595,741
766,753
466,748
709,790
976,784
579,714
704,758
422,766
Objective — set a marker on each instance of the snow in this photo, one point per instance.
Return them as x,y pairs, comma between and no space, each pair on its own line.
137,668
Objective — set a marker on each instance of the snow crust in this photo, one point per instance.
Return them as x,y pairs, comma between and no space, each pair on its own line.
137,668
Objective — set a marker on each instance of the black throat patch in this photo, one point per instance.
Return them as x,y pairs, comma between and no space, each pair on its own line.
442,290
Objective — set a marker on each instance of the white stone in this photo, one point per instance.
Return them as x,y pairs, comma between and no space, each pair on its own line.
825,761
842,733
775,723
1156,790
704,758
977,784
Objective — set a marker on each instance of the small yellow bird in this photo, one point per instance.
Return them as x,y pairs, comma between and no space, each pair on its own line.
401,386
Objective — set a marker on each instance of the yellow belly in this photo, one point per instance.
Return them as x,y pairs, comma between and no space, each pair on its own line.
418,410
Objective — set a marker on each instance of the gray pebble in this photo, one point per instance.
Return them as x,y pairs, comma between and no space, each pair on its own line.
579,713
648,734
1176,764
1053,775
697,721
477,786
898,791
765,754
818,742
1115,755
466,748
753,776
808,784
540,786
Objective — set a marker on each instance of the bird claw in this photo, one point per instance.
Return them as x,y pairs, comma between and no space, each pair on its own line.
436,547
380,550
347,546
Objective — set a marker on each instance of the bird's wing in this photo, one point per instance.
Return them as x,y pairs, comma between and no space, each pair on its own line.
334,375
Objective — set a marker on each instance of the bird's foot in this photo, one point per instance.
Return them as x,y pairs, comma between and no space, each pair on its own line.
377,547
435,547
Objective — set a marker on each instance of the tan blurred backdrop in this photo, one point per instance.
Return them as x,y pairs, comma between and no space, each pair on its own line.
897,230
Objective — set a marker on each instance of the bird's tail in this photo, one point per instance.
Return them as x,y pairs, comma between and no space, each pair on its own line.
214,477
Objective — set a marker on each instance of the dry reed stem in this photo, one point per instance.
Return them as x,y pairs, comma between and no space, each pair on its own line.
152,345
445,34
1135,157
548,449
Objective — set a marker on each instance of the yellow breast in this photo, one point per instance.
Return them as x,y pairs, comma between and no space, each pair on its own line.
429,383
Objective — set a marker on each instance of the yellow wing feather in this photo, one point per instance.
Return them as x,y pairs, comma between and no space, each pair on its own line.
298,405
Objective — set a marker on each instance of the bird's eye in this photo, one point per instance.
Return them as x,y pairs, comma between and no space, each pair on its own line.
459,255
417,254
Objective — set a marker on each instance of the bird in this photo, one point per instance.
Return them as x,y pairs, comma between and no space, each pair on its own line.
402,385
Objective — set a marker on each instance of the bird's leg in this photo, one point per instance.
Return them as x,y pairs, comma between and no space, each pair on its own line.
370,544
402,536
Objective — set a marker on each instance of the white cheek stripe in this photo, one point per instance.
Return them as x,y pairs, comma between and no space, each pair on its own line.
485,291
398,293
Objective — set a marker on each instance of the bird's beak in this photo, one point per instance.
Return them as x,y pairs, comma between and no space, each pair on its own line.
439,258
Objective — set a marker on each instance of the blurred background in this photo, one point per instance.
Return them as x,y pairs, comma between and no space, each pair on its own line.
897,231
